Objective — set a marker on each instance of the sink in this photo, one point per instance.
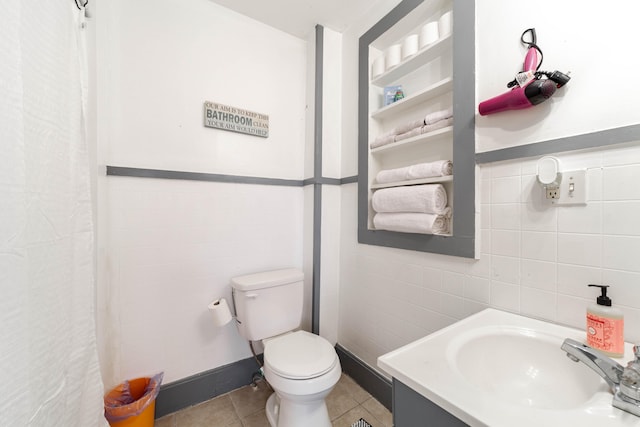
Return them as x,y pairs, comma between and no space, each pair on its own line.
523,367
502,369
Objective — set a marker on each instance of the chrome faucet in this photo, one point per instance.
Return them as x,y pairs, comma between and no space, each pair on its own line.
624,382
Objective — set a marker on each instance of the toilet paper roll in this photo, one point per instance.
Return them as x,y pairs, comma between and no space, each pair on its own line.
409,46
377,67
429,34
220,312
392,56
445,24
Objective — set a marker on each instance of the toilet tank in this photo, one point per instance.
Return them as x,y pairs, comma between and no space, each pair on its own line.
268,303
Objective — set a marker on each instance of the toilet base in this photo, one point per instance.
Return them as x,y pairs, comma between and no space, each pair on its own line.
287,413
272,409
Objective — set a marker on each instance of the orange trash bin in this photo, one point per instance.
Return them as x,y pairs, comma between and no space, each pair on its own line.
133,403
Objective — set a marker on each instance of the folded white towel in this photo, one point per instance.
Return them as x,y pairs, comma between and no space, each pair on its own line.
383,140
413,132
428,198
411,222
417,171
429,123
437,125
437,116
398,130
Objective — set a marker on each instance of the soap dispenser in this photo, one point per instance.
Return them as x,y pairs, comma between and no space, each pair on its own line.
605,325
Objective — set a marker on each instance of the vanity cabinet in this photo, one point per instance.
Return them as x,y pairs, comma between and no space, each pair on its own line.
410,409
437,77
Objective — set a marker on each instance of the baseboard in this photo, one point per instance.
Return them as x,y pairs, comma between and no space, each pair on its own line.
209,384
204,386
374,383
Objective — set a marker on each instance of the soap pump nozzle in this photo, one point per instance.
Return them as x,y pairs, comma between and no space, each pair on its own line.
603,299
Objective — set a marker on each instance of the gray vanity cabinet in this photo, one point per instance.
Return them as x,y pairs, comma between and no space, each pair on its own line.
411,409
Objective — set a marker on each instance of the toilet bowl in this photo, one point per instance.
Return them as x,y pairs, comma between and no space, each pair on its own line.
301,367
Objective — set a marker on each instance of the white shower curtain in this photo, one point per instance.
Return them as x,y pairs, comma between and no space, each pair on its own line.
49,373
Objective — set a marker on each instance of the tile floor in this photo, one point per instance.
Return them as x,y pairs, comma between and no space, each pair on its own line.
244,407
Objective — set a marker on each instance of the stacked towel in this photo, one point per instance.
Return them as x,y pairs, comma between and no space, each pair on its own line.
431,122
412,209
429,198
424,129
411,222
433,118
417,171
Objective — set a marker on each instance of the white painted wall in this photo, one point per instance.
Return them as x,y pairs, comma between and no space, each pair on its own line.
591,41
535,259
168,248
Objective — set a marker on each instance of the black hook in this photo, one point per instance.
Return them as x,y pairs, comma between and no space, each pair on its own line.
534,38
84,5
532,43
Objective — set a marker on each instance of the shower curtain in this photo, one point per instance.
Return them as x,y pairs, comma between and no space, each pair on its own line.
49,373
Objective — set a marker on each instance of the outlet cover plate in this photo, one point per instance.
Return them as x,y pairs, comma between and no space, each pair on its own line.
573,188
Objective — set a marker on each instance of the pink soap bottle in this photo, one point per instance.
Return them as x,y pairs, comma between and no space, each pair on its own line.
605,325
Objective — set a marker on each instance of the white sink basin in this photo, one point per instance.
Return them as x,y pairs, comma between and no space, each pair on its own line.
522,367
500,369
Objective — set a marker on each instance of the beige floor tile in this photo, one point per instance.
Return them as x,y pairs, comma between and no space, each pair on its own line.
358,393
248,400
218,412
379,411
258,419
245,407
339,401
166,421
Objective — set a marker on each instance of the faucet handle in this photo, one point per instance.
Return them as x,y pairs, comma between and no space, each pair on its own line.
630,378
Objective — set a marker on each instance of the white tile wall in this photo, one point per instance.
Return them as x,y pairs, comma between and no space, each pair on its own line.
536,259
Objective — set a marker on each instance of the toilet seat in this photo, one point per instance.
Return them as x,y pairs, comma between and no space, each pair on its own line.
299,355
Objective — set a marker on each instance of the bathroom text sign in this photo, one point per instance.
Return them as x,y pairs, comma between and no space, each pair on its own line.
234,119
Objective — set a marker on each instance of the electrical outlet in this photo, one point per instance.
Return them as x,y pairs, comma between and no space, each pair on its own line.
553,193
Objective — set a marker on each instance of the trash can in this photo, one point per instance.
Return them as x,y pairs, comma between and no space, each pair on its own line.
133,403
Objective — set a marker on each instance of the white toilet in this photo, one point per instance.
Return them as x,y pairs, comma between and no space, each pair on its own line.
302,368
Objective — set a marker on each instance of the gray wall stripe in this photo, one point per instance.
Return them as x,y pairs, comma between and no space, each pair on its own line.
570,143
317,186
197,176
349,180
214,177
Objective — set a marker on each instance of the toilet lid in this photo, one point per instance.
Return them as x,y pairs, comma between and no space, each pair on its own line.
299,355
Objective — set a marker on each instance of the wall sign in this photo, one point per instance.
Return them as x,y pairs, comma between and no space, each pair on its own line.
234,119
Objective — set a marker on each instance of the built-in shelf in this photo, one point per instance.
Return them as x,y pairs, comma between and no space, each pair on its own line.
434,180
412,63
419,139
428,81
435,90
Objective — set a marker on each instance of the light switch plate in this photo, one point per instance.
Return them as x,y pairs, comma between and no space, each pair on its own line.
573,188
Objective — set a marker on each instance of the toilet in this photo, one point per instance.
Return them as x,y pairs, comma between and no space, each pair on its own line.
301,367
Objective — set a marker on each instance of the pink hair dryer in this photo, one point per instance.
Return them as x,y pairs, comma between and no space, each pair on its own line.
531,86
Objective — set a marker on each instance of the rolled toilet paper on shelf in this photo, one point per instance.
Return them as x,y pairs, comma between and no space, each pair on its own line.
429,34
445,24
409,46
392,56
377,67
220,312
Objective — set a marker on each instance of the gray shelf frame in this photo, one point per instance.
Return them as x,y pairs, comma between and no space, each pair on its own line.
462,242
